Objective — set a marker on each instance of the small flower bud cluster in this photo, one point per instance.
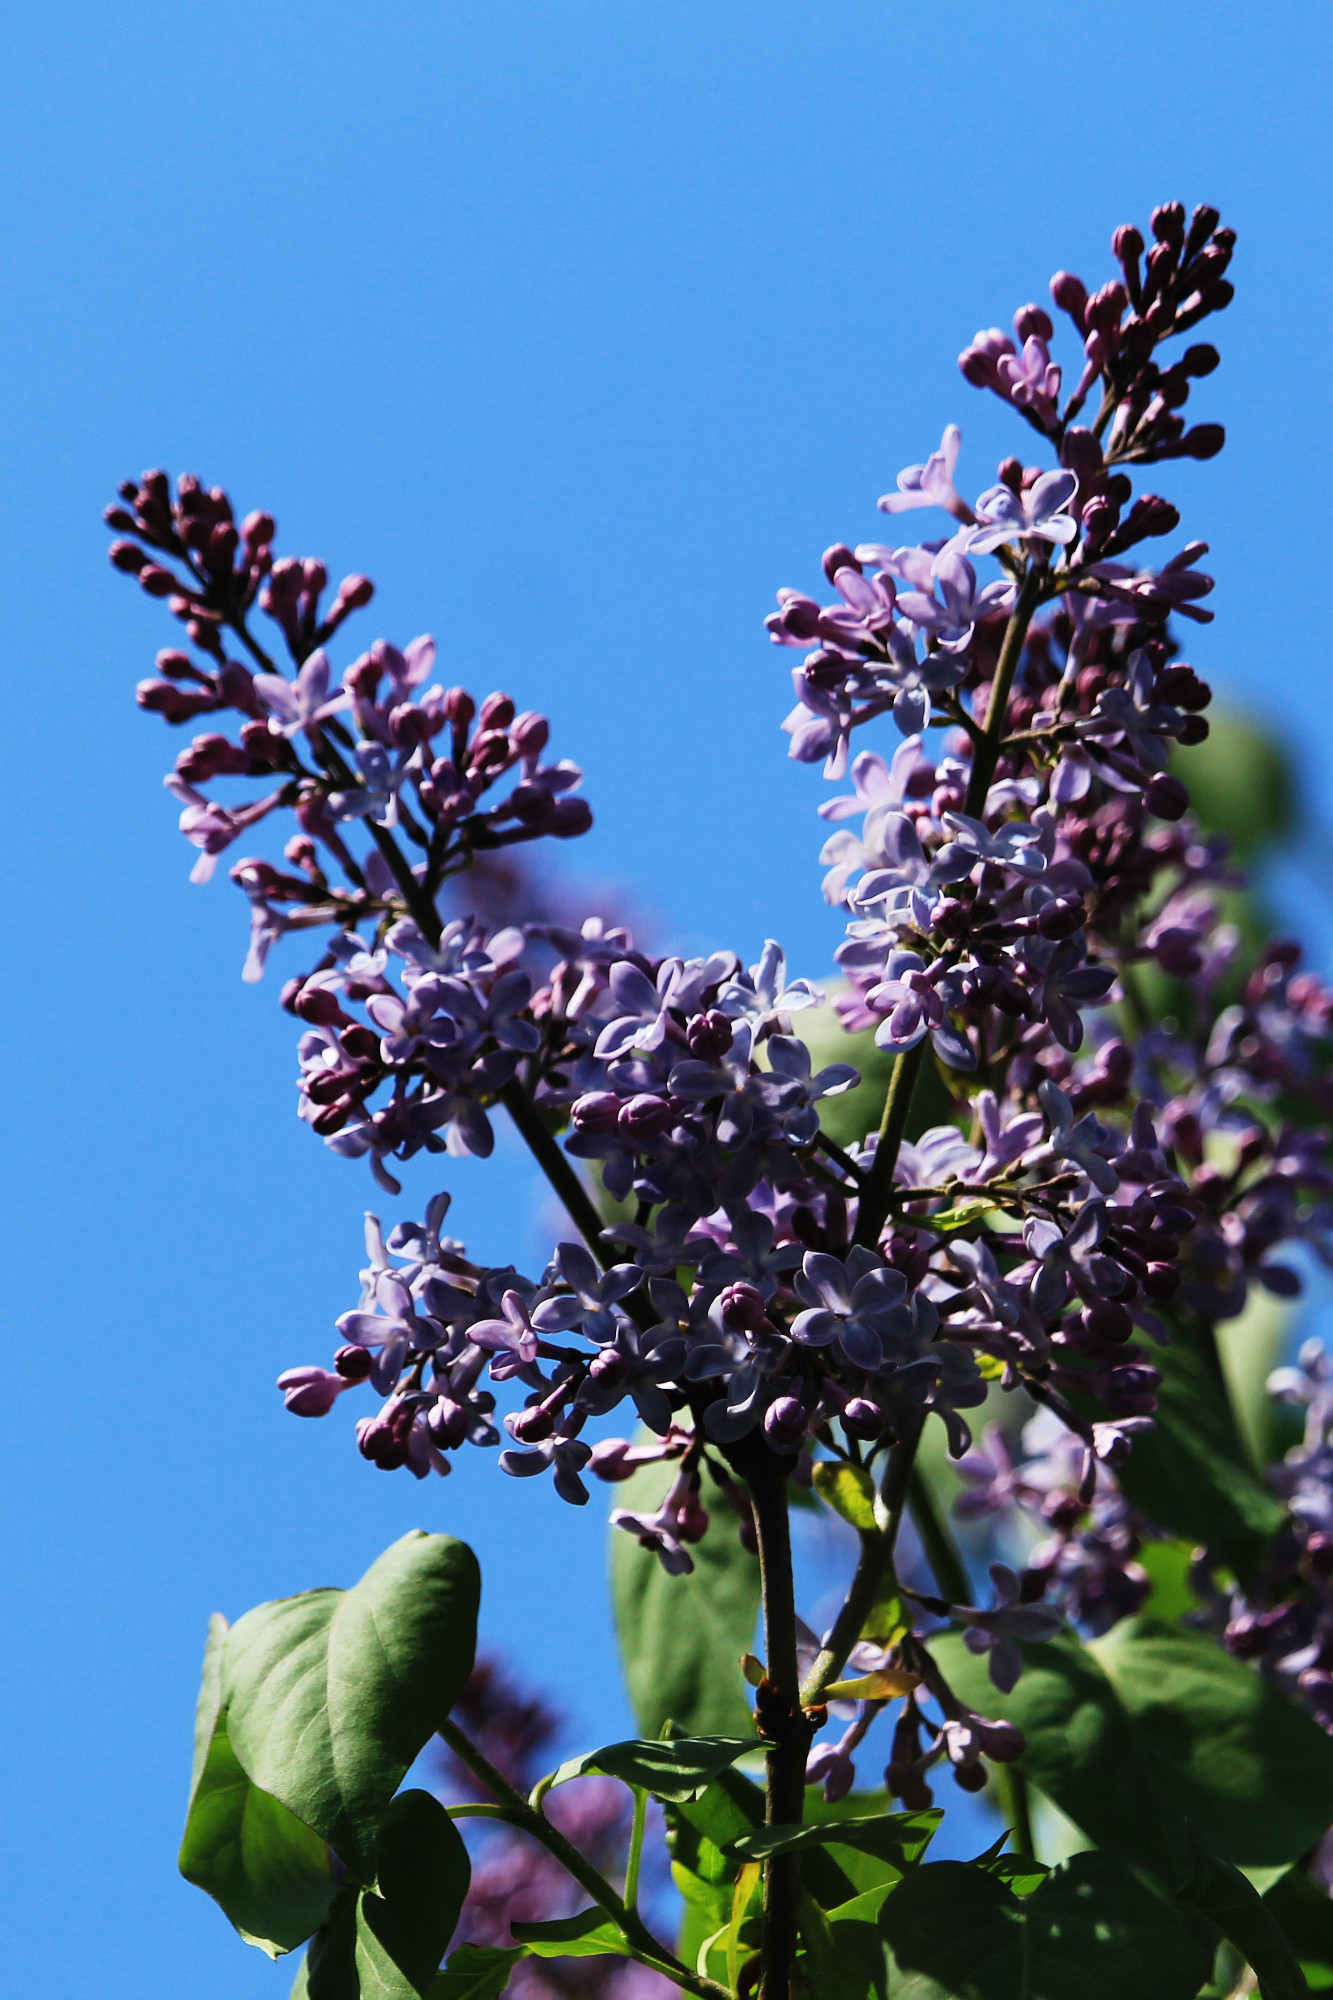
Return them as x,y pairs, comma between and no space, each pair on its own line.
384,752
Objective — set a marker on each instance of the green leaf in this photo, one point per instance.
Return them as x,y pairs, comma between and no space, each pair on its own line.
680,1768
1081,1749
475,1972
733,1806
386,1943
1153,1723
1096,1929
898,1838
962,1214
1019,1872
848,1490
590,1934
1251,1770
328,1970
269,1874
1191,1474
209,1703
332,1695
1221,1894
1305,1915
404,1924
682,1637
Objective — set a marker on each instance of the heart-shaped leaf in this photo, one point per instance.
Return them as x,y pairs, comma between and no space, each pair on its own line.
898,1838
269,1874
681,1768
1096,1929
386,1943
404,1924
331,1695
1153,1724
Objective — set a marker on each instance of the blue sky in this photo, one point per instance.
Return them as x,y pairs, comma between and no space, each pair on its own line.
580,329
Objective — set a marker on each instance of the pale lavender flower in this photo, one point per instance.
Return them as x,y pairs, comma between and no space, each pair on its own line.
1040,512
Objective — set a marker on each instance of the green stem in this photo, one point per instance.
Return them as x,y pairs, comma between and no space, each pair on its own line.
871,1565
872,1204
786,1753
1017,1810
555,1164
987,750
635,1848
941,1549
518,1813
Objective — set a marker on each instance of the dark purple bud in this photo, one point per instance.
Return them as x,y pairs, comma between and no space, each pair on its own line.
1129,1389
1200,360
597,1112
610,1460
1203,441
1194,730
1030,320
692,1519
1071,295
314,576
1010,474
709,1036
569,818
354,1363
1061,918
1161,1281
448,1423
785,1422
318,1005
1202,224
1107,1320
839,557
1166,797
1127,244
645,1116
863,1418
156,581
353,593
1168,223
530,1426
174,704
497,712
743,1307
529,734
1177,684
127,556
383,1439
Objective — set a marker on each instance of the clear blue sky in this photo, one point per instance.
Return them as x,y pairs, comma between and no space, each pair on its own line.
580,328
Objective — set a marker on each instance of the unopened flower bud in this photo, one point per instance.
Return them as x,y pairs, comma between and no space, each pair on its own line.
497,712
785,1422
447,1422
156,581
645,1116
863,1418
529,734
127,556
692,1519
354,1363
1203,441
1032,320
743,1307
530,1426
1166,797
353,593
1195,730
709,1036
839,556
1070,294
610,1458
597,1112
608,1368
569,818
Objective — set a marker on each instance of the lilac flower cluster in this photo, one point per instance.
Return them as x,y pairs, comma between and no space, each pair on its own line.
408,763
767,1294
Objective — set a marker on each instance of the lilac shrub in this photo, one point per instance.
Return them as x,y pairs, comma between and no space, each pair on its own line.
1040,938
